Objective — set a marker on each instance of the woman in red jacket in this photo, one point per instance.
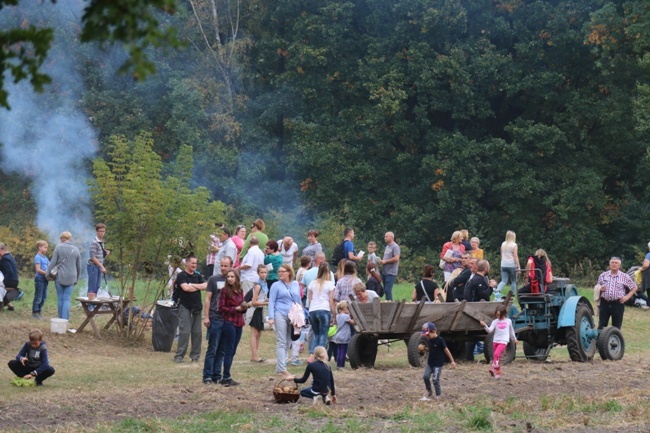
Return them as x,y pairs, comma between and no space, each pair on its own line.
232,308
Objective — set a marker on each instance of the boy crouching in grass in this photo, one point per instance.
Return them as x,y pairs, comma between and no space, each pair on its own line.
437,351
32,362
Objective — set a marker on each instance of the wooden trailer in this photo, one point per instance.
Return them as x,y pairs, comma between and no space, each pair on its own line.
457,322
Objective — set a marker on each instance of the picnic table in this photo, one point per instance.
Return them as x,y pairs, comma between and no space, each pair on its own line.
113,306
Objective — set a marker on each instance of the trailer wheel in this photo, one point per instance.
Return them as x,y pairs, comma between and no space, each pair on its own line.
362,351
507,356
417,357
533,353
581,347
611,345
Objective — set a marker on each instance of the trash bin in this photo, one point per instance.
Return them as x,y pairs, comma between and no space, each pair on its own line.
165,322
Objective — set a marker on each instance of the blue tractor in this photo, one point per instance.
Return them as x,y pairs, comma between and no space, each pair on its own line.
557,316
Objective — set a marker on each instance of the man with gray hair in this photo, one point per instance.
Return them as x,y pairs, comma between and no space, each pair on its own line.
613,286
248,268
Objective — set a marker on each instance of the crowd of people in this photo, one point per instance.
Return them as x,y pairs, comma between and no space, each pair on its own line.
262,283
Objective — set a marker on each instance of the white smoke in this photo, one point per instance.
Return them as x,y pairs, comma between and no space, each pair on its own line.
46,137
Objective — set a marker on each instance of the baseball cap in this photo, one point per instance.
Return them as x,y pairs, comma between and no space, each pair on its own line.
428,327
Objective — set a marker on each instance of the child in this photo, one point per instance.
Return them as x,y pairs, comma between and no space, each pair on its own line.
343,334
41,262
437,348
305,265
254,316
503,332
31,361
372,257
323,379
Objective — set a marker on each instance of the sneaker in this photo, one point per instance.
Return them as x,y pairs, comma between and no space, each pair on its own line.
195,360
317,400
229,382
36,316
328,400
296,362
20,295
493,372
208,381
178,360
497,376
426,398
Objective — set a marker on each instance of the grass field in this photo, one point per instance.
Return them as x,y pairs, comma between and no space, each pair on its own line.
114,386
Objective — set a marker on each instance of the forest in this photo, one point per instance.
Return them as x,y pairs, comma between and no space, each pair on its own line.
417,116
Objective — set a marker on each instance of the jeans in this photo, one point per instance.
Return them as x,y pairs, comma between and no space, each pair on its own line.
230,336
283,330
320,324
310,393
189,324
20,370
613,309
63,293
428,373
508,275
215,353
389,280
94,278
40,294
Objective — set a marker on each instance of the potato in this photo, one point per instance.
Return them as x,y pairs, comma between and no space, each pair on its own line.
422,347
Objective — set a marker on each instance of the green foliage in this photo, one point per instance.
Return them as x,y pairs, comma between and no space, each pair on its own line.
149,215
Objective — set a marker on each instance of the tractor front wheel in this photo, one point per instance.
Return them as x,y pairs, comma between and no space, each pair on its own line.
582,348
611,345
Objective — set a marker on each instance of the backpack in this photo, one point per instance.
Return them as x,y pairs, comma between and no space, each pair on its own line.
338,254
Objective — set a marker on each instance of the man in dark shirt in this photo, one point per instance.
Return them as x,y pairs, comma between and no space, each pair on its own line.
189,284
462,278
479,288
214,322
9,270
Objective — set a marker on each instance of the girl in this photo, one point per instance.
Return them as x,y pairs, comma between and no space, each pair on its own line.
231,307
374,279
274,258
254,316
509,264
321,306
323,379
503,332
343,334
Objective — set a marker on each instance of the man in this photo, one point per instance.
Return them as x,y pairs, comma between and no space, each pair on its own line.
228,247
9,269
188,286
257,229
390,263
613,286
479,288
214,322
458,283
95,267
289,251
248,268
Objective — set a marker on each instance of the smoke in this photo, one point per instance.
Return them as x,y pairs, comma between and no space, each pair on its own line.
46,137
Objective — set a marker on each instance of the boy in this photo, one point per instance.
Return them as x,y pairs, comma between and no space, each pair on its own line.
372,257
41,263
437,348
32,361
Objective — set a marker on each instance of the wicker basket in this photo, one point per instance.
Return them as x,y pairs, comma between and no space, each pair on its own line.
286,397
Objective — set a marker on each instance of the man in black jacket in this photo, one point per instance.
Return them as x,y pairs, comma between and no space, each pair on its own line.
9,270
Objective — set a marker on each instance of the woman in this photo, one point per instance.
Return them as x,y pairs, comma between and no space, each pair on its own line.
509,264
67,258
548,277
364,295
321,305
426,288
239,240
283,294
256,322
645,284
345,286
231,307
477,252
452,253
313,247
273,258
374,279
339,271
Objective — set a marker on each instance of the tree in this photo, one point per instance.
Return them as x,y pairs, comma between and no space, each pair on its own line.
133,23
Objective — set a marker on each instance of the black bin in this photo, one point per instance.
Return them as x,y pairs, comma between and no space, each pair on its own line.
165,322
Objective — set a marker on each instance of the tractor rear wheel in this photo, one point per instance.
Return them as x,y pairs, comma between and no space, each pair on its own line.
418,357
581,347
362,351
534,353
611,345
507,356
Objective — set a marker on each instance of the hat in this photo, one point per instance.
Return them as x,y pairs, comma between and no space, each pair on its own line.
428,327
